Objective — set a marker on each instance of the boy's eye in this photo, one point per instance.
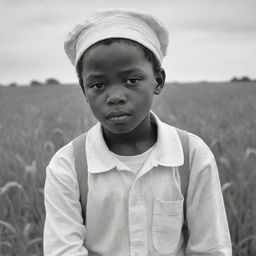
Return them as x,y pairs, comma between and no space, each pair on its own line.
98,86
132,81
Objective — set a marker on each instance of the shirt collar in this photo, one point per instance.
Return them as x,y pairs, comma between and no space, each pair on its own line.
167,152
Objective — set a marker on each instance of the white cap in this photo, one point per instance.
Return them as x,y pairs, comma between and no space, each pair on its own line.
145,29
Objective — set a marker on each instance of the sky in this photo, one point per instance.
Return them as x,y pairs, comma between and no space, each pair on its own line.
210,40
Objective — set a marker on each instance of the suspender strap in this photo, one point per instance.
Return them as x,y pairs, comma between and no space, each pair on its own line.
81,170
184,170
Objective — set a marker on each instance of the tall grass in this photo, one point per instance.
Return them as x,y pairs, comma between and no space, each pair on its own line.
35,122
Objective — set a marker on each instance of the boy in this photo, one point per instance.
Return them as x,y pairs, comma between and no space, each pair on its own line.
134,201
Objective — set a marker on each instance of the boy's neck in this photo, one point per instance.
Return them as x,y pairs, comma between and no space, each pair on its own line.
135,142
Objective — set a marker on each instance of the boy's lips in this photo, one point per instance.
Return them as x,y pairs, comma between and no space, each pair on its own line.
118,116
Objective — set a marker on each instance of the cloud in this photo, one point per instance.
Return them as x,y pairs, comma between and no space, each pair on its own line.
204,34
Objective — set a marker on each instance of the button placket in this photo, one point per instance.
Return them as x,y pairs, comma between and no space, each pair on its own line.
137,223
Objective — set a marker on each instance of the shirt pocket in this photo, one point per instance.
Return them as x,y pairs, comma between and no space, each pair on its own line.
167,225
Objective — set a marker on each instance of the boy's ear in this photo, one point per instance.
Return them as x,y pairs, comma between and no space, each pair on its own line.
160,81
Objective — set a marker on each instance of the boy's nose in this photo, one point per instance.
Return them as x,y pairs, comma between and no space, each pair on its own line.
116,97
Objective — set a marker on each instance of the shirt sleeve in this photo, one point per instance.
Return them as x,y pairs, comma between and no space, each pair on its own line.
206,215
64,231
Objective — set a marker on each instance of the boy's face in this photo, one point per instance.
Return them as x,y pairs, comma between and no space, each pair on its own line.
119,85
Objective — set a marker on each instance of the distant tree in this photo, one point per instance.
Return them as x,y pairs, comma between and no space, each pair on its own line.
35,83
242,79
234,79
13,84
245,79
52,81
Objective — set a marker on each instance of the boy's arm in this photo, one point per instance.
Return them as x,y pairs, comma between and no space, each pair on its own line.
64,232
206,215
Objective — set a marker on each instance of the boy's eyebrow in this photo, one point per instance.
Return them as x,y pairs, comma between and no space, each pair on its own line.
122,72
131,70
97,76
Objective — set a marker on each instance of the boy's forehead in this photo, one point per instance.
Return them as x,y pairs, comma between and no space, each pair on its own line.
142,28
120,58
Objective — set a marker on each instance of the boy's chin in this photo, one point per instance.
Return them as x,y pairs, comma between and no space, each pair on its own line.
119,129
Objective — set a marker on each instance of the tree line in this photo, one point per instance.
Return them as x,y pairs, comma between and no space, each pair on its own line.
49,81
53,81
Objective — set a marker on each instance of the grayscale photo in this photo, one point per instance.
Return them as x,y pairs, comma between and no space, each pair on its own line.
128,128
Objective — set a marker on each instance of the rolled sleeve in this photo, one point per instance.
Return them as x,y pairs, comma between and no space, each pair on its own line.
64,231
206,215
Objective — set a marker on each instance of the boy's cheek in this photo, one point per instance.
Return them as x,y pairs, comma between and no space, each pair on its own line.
90,99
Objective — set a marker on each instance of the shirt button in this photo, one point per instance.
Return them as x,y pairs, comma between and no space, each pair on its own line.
135,202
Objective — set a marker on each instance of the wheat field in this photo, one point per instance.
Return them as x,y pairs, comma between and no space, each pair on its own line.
36,121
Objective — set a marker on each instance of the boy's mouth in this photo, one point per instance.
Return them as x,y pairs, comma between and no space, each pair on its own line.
118,116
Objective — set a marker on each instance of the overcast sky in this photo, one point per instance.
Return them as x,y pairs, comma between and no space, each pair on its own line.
209,39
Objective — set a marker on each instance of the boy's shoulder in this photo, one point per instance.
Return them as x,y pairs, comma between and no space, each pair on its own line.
63,159
197,146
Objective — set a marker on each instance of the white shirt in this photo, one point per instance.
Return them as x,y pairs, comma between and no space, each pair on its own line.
143,217
134,163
